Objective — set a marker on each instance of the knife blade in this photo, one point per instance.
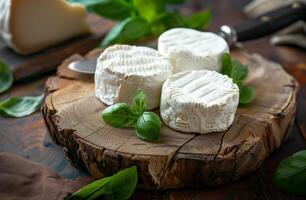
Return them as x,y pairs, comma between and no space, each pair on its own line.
260,26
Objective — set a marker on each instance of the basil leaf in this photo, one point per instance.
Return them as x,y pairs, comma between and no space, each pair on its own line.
90,190
149,9
227,66
139,103
166,21
239,72
6,77
291,173
119,115
246,94
130,29
199,20
122,184
118,186
148,126
20,106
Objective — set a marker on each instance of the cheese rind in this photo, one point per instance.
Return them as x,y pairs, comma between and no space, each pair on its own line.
190,49
28,26
122,70
199,101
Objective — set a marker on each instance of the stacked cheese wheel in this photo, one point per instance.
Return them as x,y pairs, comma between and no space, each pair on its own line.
181,77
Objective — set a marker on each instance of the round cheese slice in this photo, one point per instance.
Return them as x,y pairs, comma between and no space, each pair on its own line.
190,49
122,70
201,101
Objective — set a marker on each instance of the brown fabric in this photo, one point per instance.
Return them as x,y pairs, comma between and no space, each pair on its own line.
26,180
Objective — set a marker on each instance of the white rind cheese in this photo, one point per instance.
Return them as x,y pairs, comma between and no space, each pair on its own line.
122,70
190,49
28,26
199,101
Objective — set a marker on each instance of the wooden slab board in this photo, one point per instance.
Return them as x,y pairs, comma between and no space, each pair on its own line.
46,61
178,160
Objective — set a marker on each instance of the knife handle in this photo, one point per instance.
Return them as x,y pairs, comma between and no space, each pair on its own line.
270,22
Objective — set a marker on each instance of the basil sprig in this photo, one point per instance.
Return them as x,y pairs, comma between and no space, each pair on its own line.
20,106
6,77
291,174
238,72
142,18
147,124
118,186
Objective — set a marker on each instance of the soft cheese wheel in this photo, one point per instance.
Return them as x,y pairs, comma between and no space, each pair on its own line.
199,101
28,26
122,70
190,49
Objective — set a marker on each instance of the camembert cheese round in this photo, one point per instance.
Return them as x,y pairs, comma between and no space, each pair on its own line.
122,70
199,101
190,49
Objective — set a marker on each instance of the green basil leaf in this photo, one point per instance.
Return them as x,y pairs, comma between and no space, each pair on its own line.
175,1
122,184
148,126
6,77
246,94
227,66
91,190
239,72
149,9
20,106
199,20
291,173
139,103
165,21
119,115
130,29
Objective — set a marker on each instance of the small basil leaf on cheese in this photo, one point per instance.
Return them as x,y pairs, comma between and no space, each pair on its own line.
227,66
126,31
149,9
139,103
20,106
246,94
119,115
6,77
199,20
148,126
239,72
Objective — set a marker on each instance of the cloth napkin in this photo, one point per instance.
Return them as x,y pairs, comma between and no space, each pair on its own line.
294,34
27,180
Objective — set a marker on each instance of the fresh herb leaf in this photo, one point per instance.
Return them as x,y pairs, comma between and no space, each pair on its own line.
6,77
20,106
119,115
246,94
199,20
175,1
119,186
165,21
149,9
148,126
238,72
291,173
130,29
139,103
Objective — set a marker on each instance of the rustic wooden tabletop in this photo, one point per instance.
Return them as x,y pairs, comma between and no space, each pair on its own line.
29,136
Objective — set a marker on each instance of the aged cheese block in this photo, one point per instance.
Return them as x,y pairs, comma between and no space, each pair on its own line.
199,101
190,49
122,70
28,26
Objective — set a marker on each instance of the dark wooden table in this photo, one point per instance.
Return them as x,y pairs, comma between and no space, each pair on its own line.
29,136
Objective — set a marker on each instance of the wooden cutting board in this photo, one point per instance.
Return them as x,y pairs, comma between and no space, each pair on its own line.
46,61
178,160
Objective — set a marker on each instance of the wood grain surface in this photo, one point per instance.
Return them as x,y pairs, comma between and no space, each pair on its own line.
29,137
178,160
46,61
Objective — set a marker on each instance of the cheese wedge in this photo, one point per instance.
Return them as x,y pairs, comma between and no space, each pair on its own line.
190,49
201,101
122,70
28,26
